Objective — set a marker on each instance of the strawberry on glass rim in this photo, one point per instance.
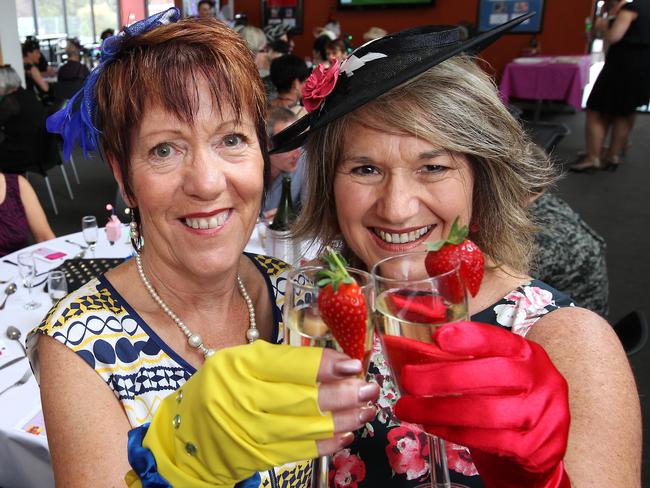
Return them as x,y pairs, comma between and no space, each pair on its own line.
444,256
342,306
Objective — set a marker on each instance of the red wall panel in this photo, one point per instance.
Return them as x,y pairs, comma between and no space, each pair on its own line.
563,27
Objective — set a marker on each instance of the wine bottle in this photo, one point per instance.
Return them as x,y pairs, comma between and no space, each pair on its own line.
285,214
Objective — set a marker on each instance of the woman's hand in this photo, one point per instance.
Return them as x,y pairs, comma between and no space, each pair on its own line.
250,408
503,398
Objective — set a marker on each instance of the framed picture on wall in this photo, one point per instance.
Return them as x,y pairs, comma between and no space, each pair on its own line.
289,12
492,13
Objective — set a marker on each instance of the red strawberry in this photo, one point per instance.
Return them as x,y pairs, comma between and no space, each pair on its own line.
343,307
444,256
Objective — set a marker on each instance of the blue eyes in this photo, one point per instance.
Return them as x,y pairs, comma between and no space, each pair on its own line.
233,140
162,151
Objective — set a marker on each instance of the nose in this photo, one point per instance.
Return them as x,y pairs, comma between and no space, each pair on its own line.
206,176
398,199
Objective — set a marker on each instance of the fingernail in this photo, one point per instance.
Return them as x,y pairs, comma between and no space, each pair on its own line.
368,392
367,414
346,439
349,366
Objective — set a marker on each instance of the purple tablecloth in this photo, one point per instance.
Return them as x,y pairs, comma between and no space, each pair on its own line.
547,78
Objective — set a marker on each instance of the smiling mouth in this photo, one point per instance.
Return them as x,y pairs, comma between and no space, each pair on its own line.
212,222
402,237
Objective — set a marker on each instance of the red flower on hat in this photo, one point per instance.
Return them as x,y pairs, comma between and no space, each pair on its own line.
320,83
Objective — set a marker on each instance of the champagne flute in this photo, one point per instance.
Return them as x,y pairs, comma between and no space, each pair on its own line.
27,270
410,306
57,285
90,231
304,326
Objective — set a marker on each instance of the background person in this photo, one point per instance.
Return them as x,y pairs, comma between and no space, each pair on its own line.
191,167
22,119
284,164
621,87
288,74
73,69
21,215
395,155
34,80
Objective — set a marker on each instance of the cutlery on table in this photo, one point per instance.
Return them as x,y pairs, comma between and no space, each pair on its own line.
3,282
23,379
14,334
9,290
13,361
8,261
76,244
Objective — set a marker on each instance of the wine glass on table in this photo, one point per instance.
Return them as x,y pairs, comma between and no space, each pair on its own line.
309,307
57,285
90,231
27,270
410,306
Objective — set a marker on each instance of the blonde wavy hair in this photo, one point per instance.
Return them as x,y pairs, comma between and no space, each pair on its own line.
454,105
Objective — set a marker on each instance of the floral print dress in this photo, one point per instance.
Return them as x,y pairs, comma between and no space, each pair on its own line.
390,453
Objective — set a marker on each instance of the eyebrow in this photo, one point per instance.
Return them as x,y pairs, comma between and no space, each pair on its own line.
227,123
424,156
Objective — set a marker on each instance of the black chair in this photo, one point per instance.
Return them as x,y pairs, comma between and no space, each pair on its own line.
65,89
632,331
48,157
546,135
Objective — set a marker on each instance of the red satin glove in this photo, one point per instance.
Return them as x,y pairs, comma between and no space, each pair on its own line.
502,398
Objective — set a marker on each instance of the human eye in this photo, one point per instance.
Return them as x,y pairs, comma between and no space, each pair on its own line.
162,151
233,141
364,170
433,169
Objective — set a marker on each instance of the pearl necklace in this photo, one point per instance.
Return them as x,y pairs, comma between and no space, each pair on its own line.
194,340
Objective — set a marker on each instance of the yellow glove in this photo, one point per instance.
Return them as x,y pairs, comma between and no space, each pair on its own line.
248,408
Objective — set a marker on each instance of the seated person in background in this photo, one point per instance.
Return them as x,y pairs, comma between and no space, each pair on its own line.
288,73
22,117
256,42
283,164
205,9
319,50
279,32
20,214
569,255
73,69
106,33
33,78
337,49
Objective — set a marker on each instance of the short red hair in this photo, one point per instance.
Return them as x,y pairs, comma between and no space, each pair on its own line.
162,68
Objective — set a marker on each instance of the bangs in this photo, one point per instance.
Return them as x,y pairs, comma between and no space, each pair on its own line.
164,68
167,75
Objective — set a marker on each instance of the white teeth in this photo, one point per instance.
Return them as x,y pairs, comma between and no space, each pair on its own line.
404,237
210,223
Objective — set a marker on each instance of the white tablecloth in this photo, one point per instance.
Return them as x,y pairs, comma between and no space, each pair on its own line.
24,457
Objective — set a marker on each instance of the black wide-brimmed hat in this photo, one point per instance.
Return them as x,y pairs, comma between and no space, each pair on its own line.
377,67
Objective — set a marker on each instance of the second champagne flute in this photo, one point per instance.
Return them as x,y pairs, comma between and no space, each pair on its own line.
90,231
305,326
410,306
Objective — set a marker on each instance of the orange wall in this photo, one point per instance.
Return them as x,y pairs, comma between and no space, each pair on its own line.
562,31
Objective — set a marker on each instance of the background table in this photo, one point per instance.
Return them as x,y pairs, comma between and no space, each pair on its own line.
24,457
547,78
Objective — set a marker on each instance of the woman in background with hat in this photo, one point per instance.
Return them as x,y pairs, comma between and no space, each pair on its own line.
403,138
170,362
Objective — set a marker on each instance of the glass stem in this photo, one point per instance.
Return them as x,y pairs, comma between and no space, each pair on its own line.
438,461
320,475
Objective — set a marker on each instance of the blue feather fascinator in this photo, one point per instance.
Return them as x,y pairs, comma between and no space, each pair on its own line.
75,122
